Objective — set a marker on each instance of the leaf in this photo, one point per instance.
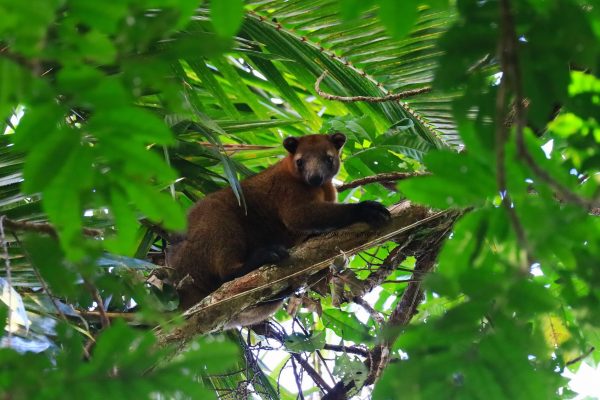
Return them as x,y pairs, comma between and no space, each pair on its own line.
47,257
226,16
97,46
126,223
228,166
106,17
136,161
62,200
116,347
209,81
26,25
41,166
351,370
216,353
158,207
529,297
139,125
396,64
346,325
351,9
14,82
187,45
299,342
398,16
554,330
450,186
269,69
234,126
358,128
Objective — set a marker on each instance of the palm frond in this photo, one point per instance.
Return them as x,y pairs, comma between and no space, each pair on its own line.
363,45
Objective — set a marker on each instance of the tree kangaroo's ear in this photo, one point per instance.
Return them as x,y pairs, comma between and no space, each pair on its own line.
291,144
338,139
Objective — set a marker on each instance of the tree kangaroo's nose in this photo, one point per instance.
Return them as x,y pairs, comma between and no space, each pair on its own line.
315,180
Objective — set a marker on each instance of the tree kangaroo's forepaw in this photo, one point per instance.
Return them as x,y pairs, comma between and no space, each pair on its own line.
374,213
267,255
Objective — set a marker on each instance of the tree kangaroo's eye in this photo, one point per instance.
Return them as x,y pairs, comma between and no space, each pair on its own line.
300,163
329,160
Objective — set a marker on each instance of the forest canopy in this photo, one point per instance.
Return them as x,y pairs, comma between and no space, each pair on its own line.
476,122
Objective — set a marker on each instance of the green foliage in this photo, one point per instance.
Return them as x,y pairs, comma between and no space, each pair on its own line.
119,115
125,363
389,10
95,110
351,370
298,342
227,16
497,328
346,325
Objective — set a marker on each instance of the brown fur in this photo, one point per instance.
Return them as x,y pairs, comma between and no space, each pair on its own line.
285,203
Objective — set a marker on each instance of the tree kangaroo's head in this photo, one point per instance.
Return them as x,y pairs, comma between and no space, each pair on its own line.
315,158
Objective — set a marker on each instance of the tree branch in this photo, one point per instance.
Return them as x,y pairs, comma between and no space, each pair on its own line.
367,307
347,349
501,134
316,254
235,147
378,358
298,379
510,66
314,375
368,99
104,319
43,227
389,177
418,231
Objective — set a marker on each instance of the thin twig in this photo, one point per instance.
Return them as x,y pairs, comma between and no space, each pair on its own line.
41,280
367,307
403,281
404,310
510,66
104,320
314,375
581,357
347,349
17,58
270,333
389,265
502,135
373,256
279,375
305,331
43,227
379,178
110,315
379,357
368,99
235,147
168,160
298,379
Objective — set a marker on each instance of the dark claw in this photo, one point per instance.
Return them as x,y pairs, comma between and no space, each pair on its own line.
281,252
374,213
267,255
